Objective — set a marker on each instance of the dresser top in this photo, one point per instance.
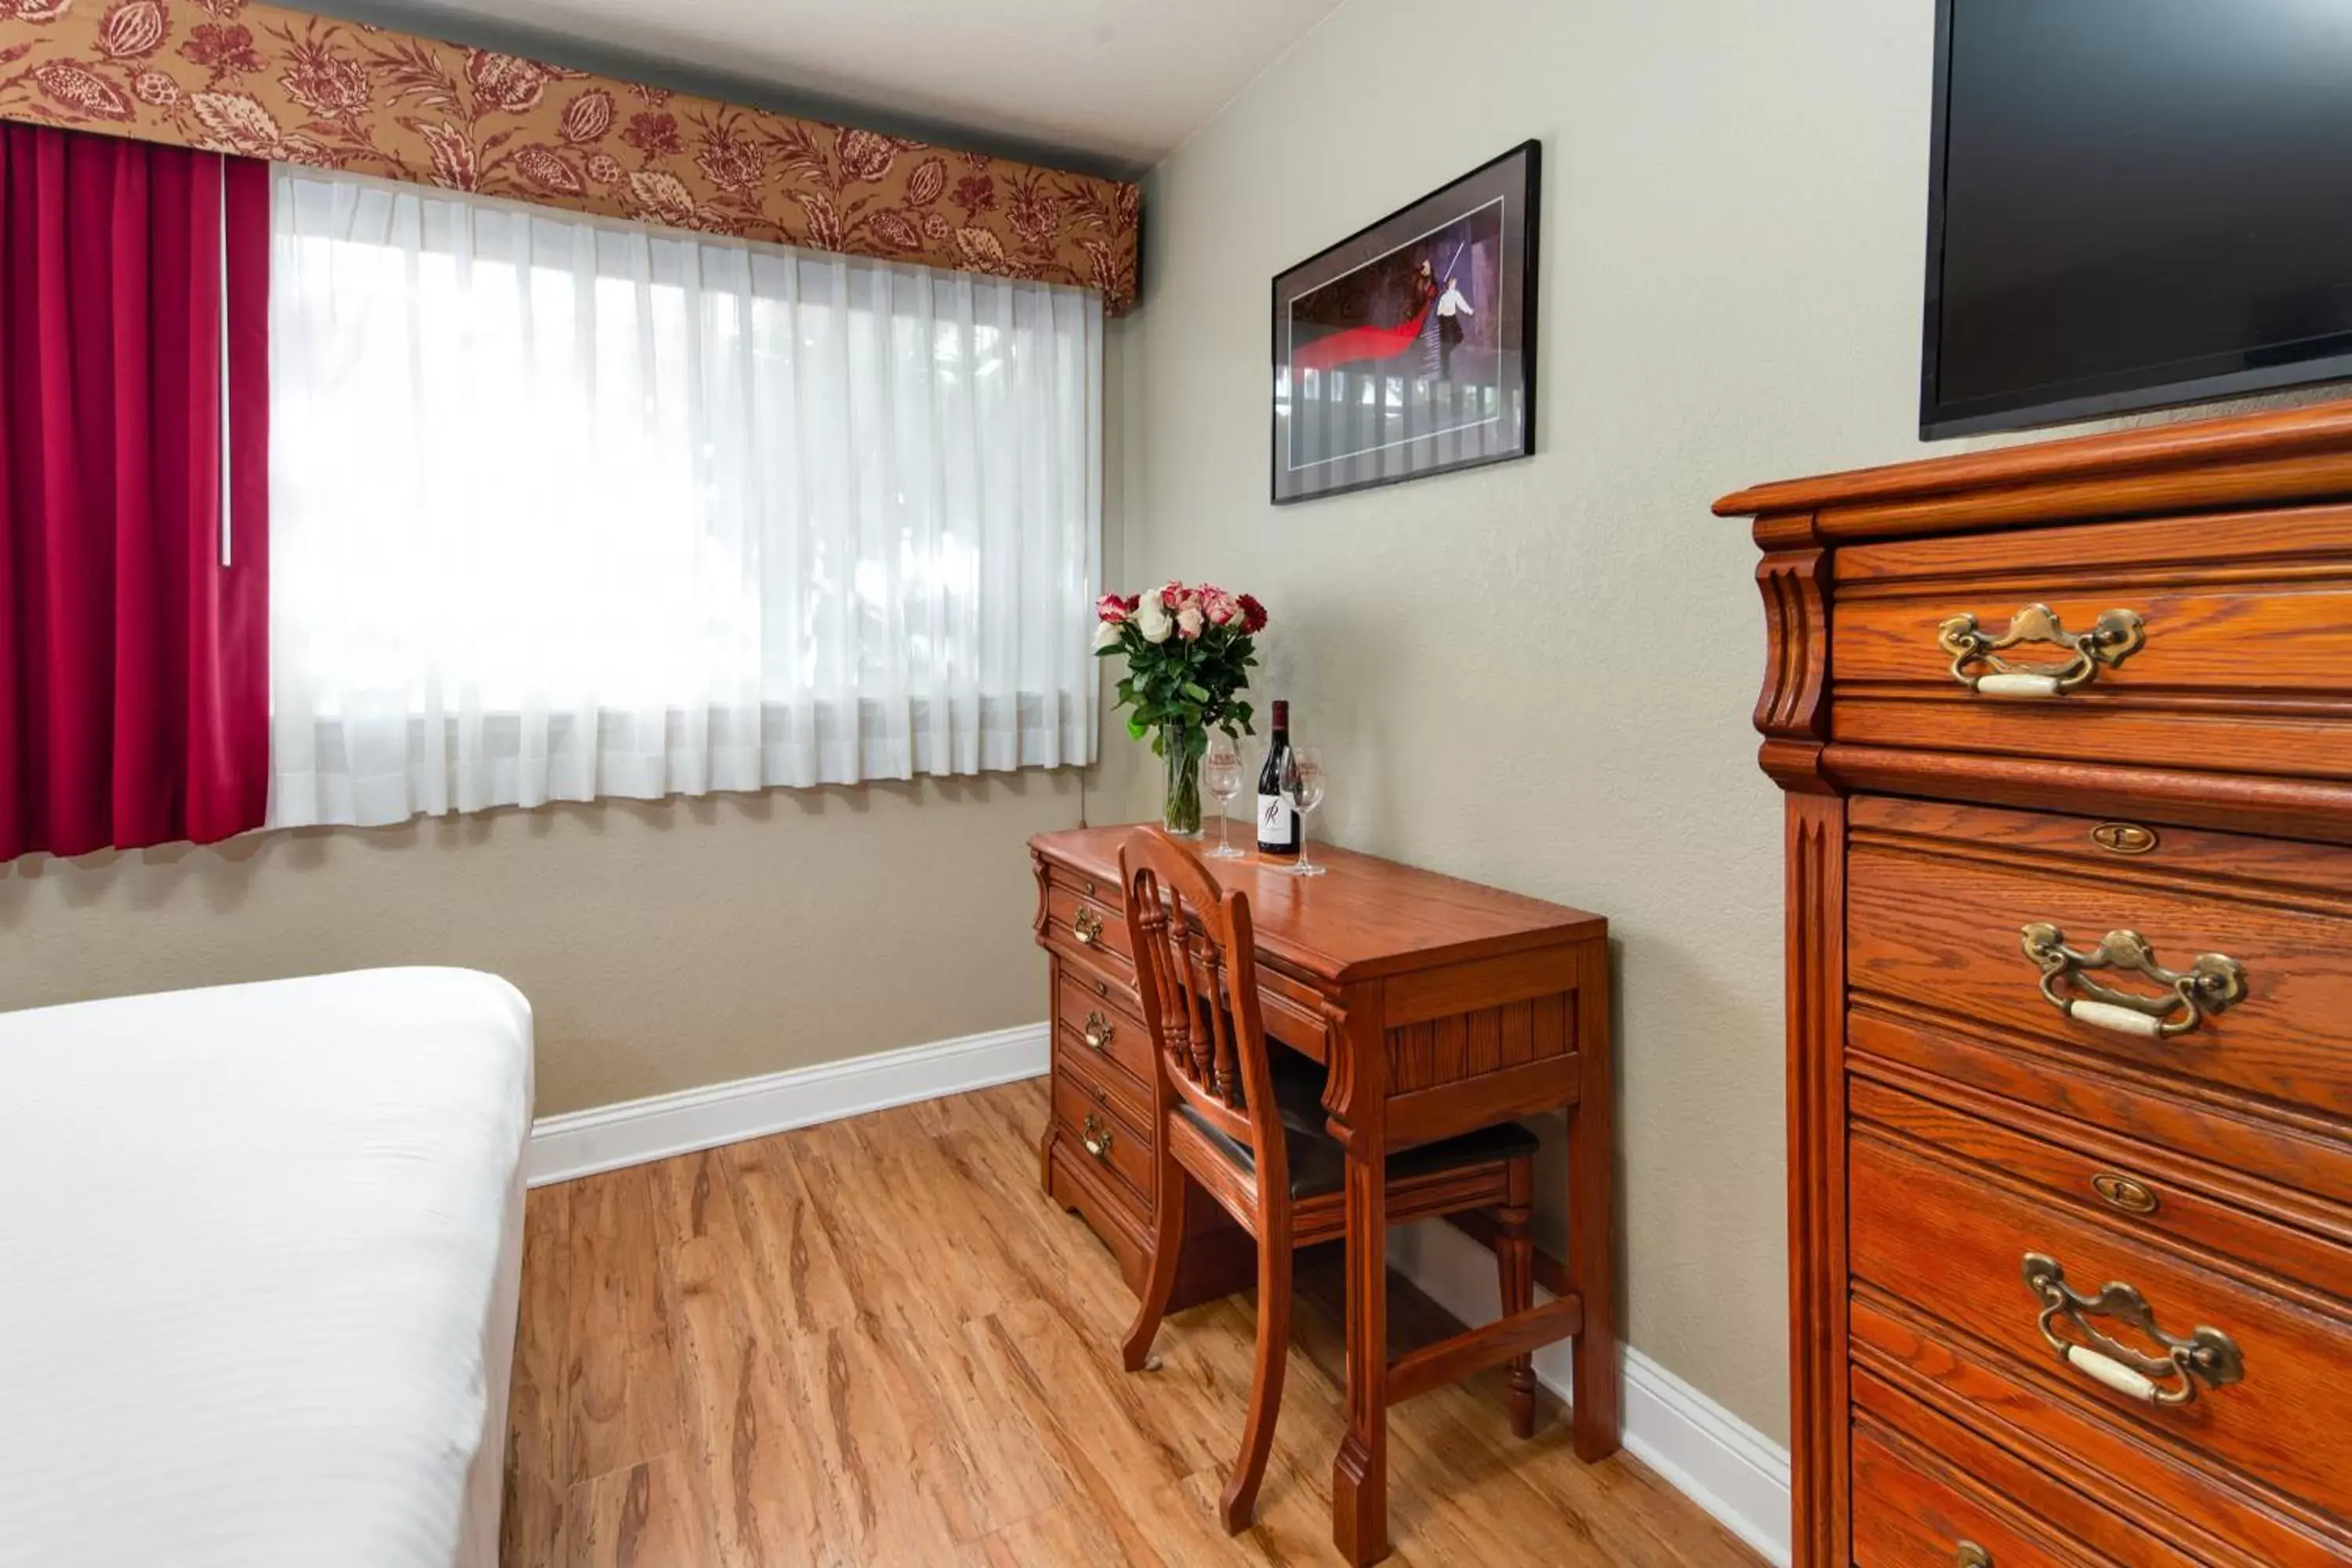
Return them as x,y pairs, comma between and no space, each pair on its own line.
1367,918
2250,459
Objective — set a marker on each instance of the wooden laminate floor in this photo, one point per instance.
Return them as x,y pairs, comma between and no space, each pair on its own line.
877,1342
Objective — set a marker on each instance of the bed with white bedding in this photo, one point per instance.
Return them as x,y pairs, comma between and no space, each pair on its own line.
259,1253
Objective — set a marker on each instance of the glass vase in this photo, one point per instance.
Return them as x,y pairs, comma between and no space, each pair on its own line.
1180,811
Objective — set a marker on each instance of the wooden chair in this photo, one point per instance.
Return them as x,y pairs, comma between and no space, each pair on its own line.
1248,1125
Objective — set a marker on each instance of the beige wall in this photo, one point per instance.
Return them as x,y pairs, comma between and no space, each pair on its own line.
664,946
1540,674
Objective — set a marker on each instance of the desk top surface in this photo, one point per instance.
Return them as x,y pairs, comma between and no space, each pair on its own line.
1367,918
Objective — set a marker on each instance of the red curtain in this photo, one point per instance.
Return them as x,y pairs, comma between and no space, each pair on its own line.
134,666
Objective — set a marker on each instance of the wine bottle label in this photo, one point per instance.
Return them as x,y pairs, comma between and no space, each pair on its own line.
1276,822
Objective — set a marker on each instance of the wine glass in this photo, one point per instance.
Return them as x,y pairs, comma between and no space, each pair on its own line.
1221,772
1302,781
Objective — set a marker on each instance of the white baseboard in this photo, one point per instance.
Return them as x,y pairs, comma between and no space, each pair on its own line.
583,1143
1702,1449
1724,1465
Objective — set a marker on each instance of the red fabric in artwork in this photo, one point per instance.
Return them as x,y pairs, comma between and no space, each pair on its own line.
134,666
1356,344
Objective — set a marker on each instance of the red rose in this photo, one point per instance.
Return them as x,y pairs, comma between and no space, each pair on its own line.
587,117
133,30
1253,616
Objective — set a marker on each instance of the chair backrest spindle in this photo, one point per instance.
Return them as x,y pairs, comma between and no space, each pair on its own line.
1197,977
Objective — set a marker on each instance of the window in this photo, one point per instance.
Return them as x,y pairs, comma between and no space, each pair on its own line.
565,508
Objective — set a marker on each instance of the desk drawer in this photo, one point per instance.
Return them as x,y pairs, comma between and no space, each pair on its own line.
1093,1015
1078,924
1939,902
1956,1247
2249,649
1097,1121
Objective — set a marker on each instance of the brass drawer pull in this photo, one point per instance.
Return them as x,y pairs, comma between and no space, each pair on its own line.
1096,1139
1087,927
1971,1555
2118,635
2206,1355
1099,1031
2193,996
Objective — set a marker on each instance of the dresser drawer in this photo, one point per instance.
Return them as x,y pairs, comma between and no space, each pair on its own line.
2139,1189
1909,1510
1960,1247
1099,1121
2243,656
1945,910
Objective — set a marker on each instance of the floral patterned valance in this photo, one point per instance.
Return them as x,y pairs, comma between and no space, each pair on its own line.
267,83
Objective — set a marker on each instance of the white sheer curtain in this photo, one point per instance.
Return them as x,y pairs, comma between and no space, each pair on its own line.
564,508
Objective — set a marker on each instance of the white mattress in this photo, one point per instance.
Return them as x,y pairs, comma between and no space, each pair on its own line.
259,1247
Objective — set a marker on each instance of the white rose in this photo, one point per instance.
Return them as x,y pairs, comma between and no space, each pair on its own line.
1106,636
1152,616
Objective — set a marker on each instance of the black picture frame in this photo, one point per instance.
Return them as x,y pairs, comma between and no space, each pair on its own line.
1377,375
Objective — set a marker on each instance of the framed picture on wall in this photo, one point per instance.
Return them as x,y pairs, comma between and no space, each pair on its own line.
1408,348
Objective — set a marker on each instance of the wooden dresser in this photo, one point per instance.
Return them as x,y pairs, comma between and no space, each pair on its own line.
2067,733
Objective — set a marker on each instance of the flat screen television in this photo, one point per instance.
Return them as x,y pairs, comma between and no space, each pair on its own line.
2134,204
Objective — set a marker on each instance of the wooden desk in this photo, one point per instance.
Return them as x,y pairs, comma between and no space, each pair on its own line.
1439,1006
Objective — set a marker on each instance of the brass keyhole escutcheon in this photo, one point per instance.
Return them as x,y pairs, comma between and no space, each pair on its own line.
2124,1193
2124,838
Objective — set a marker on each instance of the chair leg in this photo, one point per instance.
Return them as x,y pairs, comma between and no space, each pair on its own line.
1514,1260
1240,1501
1166,1242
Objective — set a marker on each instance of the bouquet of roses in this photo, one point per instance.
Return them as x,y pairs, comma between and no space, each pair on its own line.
1189,652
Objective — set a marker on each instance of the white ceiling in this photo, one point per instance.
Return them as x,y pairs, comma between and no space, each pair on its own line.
1115,83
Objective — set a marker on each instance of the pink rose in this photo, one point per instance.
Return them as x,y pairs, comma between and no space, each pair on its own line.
1188,622
1113,609
1220,607
1172,595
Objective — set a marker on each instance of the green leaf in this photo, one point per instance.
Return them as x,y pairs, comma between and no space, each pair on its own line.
1196,691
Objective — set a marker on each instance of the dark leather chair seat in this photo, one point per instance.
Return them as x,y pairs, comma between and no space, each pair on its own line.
1319,1165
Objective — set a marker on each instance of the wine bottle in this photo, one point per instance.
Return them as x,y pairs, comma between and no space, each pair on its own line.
1277,817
